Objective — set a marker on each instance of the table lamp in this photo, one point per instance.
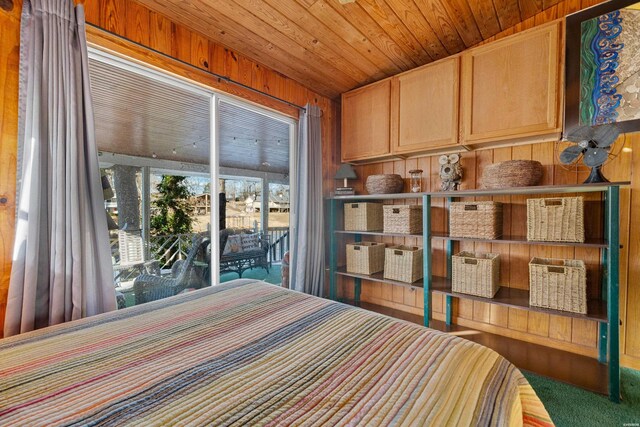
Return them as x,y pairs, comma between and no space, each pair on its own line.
345,172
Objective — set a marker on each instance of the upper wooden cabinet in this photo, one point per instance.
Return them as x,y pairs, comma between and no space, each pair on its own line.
425,108
511,88
366,116
508,90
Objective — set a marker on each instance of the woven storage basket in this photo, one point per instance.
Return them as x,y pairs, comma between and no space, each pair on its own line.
558,219
558,284
475,274
365,257
384,184
363,216
512,173
403,219
481,220
403,263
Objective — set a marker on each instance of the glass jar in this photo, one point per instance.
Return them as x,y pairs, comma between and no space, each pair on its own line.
416,180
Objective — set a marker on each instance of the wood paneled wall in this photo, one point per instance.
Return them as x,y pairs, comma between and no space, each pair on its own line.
575,335
147,37
9,59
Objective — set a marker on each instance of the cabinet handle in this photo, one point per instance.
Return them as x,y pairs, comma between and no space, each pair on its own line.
553,202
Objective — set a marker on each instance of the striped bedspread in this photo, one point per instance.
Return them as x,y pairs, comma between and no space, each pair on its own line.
248,353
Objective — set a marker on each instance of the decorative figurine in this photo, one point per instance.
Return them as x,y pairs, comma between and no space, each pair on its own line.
450,172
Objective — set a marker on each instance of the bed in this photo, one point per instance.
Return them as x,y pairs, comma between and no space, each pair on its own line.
250,353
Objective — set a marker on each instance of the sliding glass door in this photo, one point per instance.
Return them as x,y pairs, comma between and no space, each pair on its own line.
197,185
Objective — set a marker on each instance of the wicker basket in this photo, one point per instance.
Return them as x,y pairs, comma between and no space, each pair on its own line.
555,219
558,284
365,258
363,216
512,173
384,184
480,220
475,274
403,263
402,219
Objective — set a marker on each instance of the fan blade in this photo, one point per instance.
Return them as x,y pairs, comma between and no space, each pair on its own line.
595,156
570,154
581,133
605,135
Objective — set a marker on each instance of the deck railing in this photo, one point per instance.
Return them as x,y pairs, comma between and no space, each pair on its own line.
168,249
279,238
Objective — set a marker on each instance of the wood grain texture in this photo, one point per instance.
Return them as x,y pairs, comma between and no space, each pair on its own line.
9,60
334,48
367,111
493,87
551,330
417,125
131,21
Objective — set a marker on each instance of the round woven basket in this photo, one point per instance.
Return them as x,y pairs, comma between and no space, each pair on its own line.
512,173
384,184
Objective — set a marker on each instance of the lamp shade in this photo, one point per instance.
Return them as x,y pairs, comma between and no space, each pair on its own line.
346,172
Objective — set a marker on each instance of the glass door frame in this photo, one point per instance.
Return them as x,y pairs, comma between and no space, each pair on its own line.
215,97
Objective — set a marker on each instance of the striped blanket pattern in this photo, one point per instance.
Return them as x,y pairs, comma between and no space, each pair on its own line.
249,353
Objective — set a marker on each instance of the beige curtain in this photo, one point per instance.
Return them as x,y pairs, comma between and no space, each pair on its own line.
61,264
307,268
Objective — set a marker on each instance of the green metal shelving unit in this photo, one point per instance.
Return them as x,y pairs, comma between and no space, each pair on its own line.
609,333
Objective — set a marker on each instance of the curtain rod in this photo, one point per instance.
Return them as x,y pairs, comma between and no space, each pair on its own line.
217,76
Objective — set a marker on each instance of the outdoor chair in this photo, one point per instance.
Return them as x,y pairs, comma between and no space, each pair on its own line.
191,273
246,259
132,260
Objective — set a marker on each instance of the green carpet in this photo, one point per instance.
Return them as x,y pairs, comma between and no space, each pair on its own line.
274,276
571,406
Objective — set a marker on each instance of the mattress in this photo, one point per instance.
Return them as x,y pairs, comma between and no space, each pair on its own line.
250,353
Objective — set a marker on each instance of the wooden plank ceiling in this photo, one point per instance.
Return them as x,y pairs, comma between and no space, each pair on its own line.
333,48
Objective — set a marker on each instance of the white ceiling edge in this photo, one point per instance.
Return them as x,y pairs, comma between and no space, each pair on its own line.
110,57
169,167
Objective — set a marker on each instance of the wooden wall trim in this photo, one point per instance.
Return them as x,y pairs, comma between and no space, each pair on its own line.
9,59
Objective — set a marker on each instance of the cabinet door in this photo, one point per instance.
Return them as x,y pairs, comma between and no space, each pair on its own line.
365,122
511,87
427,112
